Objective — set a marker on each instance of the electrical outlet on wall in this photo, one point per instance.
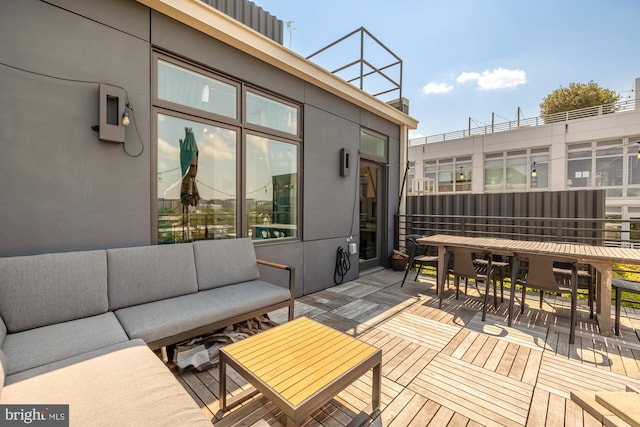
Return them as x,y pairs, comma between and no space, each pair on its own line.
353,248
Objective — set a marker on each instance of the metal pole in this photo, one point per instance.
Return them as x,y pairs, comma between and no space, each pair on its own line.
361,59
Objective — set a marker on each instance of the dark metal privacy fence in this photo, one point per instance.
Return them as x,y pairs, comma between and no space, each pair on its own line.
566,216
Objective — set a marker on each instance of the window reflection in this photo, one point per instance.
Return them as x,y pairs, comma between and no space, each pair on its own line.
186,87
271,187
269,113
373,145
493,174
181,215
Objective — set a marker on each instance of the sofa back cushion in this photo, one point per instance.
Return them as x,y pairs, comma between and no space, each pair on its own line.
150,273
224,262
44,289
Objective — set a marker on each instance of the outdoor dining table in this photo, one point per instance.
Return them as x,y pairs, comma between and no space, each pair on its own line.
601,258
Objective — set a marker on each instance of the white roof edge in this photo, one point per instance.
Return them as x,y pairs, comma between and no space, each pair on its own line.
202,17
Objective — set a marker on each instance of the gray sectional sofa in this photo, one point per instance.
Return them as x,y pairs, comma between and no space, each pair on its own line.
79,328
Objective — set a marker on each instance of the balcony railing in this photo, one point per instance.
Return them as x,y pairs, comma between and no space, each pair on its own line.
600,110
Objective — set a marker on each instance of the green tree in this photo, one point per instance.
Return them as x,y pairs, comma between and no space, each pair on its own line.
576,96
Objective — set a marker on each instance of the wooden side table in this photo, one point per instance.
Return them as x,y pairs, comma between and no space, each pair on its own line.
300,366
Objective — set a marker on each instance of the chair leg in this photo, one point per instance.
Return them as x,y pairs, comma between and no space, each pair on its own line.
486,298
524,296
618,293
514,276
574,314
419,269
405,273
541,298
590,296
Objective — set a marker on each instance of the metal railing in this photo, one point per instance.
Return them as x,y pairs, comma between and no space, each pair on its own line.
599,232
390,75
600,110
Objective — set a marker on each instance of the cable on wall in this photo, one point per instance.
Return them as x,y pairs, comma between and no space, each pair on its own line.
128,105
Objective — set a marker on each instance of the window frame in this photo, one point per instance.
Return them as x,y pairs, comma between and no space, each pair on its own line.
196,112
242,128
246,88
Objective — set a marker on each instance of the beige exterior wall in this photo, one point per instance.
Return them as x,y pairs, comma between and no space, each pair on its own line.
623,125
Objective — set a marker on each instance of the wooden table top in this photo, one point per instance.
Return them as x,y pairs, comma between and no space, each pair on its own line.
578,251
300,358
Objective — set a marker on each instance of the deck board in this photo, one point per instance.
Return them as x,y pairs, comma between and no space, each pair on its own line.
446,366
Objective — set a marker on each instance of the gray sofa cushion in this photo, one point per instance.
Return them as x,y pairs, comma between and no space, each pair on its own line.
150,273
163,319
44,289
123,385
224,262
47,344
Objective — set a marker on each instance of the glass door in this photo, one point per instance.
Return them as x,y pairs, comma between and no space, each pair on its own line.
370,218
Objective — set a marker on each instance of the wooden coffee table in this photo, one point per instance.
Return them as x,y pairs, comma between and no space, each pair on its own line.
300,366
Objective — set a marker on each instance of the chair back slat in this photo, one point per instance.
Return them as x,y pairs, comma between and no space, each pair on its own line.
463,262
540,273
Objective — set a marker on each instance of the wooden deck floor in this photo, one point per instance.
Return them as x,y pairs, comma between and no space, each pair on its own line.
447,367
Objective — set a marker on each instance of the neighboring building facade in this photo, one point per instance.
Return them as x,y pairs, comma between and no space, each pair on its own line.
219,115
585,149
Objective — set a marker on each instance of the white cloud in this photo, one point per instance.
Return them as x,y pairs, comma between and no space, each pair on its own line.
465,77
499,78
436,88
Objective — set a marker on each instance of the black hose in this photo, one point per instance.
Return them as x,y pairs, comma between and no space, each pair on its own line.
343,264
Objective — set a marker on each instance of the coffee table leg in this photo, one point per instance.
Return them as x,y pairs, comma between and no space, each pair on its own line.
291,423
375,387
222,381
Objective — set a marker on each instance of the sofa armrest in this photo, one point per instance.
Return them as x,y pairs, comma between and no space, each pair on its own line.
292,281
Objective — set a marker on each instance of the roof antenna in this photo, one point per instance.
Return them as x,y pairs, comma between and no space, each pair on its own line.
290,28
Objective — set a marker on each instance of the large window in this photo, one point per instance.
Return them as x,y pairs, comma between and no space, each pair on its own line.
271,113
518,170
271,187
494,172
633,163
463,174
451,175
188,88
601,164
196,180
228,157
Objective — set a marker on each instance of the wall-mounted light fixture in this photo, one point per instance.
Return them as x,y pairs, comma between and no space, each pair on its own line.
113,113
125,116
461,176
534,173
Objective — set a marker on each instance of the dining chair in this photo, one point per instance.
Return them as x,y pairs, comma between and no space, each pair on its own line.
585,278
585,281
539,274
464,267
419,257
618,286
500,268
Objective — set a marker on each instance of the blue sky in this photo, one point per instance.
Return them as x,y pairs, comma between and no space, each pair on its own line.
470,58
